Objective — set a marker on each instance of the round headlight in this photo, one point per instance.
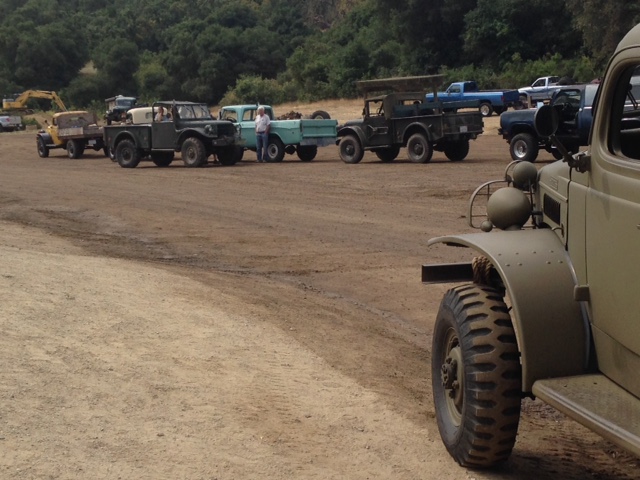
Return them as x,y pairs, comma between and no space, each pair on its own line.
524,175
508,208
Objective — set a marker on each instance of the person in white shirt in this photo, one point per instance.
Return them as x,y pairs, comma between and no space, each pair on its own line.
160,115
263,123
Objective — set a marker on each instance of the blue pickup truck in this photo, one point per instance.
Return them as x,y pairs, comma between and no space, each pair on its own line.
574,104
488,101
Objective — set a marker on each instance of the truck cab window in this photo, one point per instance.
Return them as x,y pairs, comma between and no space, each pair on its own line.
624,134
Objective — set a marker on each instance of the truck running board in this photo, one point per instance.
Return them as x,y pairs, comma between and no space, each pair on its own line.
598,404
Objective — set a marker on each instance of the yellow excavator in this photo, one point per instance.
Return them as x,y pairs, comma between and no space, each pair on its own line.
20,102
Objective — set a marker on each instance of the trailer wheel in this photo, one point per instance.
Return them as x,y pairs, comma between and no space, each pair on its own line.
485,109
350,149
387,154
275,150
476,376
523,147
419,149
127,154
193,152
43,150
228,155
162,159
456,151
75,148
306,153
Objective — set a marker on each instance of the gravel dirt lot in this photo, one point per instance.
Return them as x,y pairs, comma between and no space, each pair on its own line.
260,321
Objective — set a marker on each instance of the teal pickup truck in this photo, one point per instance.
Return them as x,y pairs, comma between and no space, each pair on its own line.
301,136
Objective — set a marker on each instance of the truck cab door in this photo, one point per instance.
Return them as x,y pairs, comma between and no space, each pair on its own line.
248,127
376,126
612,227
163,134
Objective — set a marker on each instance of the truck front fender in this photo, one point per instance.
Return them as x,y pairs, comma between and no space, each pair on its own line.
551,326
46,137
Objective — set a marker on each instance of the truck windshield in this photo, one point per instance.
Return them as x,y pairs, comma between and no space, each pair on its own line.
192,112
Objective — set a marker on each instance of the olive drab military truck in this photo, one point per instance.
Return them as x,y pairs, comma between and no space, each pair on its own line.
547,305
188,128
403,117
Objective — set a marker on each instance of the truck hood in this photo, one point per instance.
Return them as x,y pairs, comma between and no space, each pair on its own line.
351,123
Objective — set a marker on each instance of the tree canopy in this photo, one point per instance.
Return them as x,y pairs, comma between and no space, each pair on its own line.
277,50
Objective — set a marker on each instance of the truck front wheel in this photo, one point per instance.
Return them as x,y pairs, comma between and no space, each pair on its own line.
193,152
419,149
75,148
456,151
523,147
43,150
350,149
476,376
486,109
306,153
127,154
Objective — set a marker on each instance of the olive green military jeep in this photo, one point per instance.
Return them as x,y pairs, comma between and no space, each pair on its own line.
548,305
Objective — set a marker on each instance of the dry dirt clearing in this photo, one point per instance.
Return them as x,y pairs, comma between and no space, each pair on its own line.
261,321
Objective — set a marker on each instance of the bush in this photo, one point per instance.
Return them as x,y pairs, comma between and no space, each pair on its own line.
253,89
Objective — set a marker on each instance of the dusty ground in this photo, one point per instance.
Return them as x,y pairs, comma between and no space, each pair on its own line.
261,321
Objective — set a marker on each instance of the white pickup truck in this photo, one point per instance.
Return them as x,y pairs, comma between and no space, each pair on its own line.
540,91
10,123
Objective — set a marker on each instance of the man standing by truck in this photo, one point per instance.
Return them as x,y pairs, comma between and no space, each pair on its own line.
262,134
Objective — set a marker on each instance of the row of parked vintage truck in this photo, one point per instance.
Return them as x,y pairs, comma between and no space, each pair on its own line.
404,118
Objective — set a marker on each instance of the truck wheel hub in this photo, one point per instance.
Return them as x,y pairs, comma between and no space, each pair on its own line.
451,375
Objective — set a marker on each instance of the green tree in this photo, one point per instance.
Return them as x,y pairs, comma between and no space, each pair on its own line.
499,29
603,24
118,64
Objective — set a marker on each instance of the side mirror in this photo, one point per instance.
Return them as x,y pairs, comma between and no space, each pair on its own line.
546,121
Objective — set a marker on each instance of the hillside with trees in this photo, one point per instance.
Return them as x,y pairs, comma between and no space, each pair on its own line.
281,50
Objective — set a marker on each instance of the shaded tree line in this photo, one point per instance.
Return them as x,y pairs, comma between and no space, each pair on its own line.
278,50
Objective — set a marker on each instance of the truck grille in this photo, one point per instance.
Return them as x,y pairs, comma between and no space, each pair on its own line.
551,209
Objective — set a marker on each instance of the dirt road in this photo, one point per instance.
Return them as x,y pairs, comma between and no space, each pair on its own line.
261,321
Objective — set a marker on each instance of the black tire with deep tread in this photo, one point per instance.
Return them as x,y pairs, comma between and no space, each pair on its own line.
476,376
350,149
43,150
456,151
523,147
127,154
275,150
162,159
388,154
419,149
193,152
306,153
